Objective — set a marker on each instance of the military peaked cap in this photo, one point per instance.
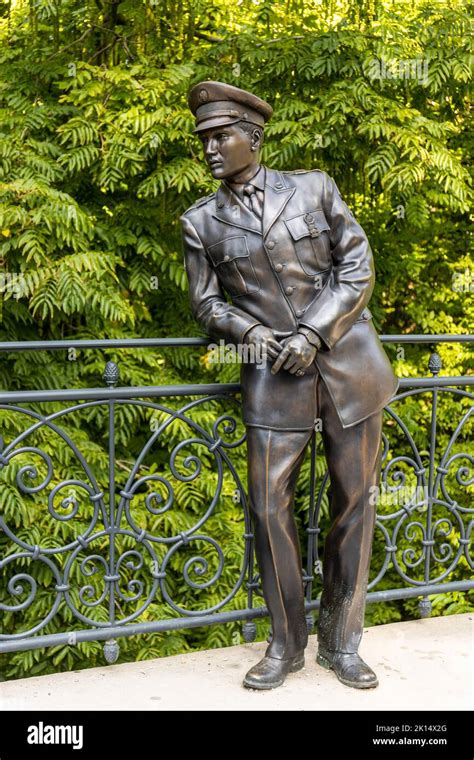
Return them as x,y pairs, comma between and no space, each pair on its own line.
216,104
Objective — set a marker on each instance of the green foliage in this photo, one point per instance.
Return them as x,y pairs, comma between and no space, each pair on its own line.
98,160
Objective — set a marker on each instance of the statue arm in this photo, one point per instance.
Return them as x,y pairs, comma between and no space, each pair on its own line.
350,284
208,304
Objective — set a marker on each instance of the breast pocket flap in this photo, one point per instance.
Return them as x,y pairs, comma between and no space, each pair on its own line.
229,249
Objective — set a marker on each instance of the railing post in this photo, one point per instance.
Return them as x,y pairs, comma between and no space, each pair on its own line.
434,366
111,377
312,531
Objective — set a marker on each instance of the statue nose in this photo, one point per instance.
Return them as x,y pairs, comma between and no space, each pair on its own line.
211,148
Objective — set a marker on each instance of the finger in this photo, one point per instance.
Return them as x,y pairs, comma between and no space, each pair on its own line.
291,362
282,357
274,344
271,352
296,368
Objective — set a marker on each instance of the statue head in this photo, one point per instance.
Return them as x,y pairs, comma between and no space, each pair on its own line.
230,123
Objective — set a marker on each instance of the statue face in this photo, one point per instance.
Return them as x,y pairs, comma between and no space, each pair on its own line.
228,151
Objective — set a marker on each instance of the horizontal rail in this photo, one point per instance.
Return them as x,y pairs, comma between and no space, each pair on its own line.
443,338
196,389
134,629
106,394
436,382
57,345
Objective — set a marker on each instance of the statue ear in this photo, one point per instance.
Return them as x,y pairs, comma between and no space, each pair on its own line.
256,139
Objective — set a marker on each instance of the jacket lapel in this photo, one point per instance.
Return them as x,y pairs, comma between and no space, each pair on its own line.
231,210
277,195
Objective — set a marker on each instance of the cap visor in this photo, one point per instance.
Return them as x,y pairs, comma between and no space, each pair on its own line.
218,121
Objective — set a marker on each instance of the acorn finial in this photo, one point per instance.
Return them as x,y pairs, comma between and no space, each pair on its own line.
111,374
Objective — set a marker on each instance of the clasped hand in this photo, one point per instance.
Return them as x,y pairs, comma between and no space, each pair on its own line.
294,354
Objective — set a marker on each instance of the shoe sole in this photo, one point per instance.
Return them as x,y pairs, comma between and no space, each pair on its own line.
321,660
298,665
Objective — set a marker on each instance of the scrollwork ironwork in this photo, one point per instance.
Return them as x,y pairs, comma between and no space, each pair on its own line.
127,553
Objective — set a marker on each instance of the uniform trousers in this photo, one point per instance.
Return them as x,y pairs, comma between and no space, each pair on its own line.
353,457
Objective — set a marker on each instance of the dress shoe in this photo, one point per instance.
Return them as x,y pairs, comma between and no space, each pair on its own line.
349,668
271,672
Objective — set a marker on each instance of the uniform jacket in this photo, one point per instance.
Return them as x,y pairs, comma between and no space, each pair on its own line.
307,262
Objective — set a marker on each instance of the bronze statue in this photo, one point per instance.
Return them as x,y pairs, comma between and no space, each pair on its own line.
299,273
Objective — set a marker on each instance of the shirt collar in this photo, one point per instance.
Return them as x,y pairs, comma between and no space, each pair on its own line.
258,180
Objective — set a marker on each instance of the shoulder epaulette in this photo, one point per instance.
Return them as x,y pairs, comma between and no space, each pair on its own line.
201,202
301,171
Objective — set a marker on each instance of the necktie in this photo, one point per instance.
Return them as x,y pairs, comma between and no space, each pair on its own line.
252,201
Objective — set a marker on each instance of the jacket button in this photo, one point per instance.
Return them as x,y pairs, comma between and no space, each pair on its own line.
279,268
271,245
289,291
226,258
279,185
299,313
220,204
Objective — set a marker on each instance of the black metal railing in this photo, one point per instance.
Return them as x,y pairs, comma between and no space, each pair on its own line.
111,557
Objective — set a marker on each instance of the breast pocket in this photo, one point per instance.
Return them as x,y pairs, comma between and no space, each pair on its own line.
231,260
310,235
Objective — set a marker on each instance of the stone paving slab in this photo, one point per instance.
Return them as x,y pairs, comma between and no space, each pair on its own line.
421,665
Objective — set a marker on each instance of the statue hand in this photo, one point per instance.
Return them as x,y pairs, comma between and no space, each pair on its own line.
296,356
263,338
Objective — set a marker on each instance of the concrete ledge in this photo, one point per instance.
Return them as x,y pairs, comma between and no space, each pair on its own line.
422,664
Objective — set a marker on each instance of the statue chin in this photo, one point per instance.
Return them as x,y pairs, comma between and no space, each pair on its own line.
217,172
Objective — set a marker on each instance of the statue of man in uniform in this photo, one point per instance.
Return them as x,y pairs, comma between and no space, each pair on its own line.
298,272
